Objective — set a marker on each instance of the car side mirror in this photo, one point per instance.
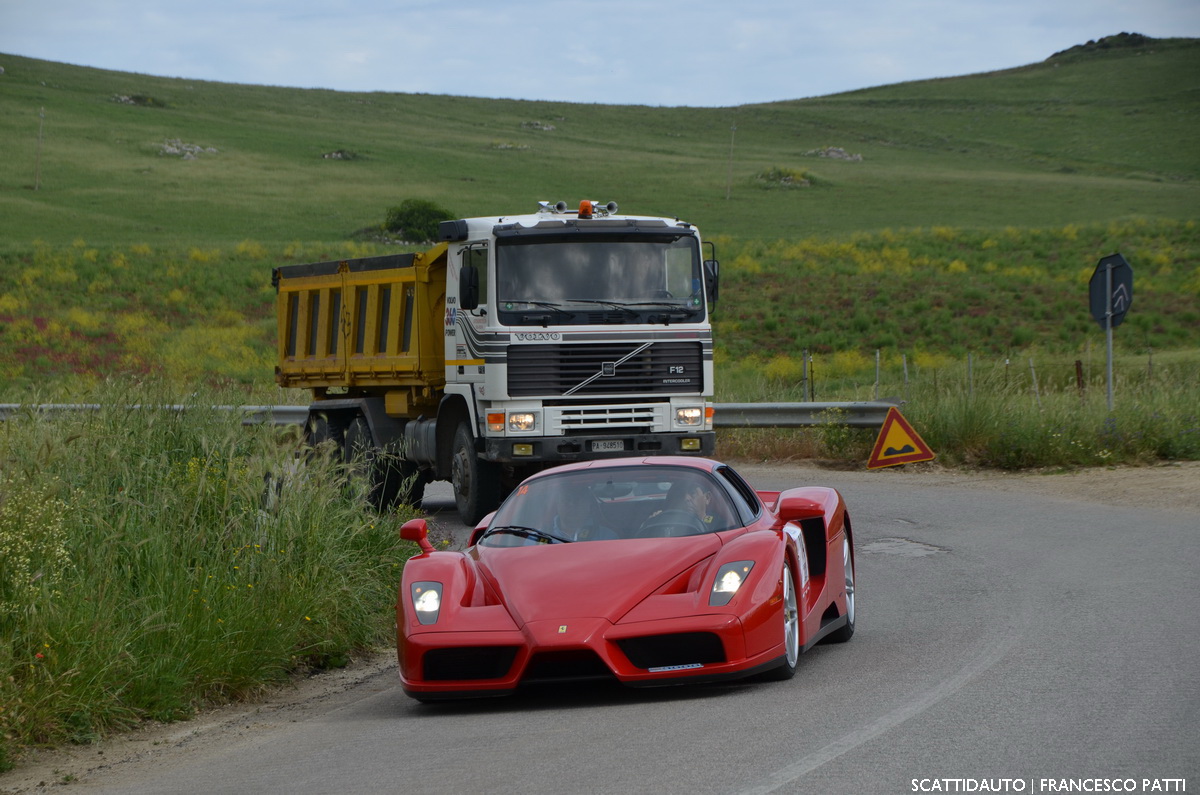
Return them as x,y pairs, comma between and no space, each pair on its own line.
417,531
794,508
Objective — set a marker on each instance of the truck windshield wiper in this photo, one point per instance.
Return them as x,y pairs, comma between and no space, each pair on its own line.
613,304
553,307
540,536
674,306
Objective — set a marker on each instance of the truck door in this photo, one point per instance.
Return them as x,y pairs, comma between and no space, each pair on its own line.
466,321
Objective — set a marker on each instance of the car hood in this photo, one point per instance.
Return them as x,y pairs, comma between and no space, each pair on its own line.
593,579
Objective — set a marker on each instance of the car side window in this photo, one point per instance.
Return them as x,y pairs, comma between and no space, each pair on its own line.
744,498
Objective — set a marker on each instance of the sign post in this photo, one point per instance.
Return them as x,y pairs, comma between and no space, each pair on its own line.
1110,293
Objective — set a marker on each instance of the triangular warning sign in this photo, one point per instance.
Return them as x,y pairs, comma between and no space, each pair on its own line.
898,443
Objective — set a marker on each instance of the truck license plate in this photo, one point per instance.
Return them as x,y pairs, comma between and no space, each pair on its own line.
608,446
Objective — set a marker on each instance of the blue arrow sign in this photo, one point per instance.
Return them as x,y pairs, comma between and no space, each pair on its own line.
1111,296
1120,299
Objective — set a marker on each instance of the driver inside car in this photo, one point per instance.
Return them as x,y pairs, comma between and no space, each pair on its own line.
691,497
697,499
687,510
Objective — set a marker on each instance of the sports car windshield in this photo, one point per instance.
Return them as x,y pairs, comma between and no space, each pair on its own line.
612,503
627,276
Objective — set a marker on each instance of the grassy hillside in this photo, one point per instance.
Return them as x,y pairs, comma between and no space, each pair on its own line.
967,217
1080,137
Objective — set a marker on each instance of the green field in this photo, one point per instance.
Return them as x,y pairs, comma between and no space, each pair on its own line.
971,223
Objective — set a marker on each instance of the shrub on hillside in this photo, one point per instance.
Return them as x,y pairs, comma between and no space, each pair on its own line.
776,177
416,219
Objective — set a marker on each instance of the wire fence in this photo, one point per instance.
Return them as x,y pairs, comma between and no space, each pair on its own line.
897,376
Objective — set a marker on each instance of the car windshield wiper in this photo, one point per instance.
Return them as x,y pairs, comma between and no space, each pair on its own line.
540,536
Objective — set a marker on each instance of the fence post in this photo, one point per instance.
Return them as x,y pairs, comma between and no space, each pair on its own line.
970,375
1033,373
876,397
812,387
1079,377
804,375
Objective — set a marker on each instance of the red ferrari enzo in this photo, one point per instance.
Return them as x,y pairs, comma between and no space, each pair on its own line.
649,571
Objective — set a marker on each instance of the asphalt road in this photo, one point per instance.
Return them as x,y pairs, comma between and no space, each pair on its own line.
1001,635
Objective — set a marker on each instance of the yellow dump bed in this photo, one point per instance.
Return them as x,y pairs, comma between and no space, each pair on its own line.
372,326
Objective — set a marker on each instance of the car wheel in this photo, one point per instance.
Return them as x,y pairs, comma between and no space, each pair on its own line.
476,483
791,629
846,631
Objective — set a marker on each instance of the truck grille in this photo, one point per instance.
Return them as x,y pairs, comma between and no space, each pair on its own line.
605,369
600,417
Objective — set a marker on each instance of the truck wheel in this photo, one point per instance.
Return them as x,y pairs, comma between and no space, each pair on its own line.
402,478
476,482
361,454
319,431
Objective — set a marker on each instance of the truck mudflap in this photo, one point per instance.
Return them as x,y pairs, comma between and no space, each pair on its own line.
540,449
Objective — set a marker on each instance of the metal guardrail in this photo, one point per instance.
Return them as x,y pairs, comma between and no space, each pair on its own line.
800,415
253,415
725,415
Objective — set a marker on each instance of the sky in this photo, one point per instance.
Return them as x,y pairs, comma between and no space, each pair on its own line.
701,53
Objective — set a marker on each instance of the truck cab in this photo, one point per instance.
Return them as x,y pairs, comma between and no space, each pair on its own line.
566,334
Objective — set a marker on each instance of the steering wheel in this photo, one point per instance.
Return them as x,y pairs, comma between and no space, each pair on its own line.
671,524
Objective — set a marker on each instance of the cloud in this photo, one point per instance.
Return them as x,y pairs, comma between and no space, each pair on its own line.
705,52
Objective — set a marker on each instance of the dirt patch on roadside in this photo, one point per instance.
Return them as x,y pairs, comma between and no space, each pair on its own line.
1171,486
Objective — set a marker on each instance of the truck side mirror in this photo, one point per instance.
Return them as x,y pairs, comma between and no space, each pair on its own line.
712,270
468,287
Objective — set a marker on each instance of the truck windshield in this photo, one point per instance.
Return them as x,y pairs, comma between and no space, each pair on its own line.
624,277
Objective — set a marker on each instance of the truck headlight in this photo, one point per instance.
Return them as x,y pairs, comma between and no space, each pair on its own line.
728,580
691,415
427,601
522,421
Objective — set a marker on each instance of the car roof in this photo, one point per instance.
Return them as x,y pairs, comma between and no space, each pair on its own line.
681,462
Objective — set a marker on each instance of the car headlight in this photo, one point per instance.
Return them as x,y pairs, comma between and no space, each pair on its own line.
427,601
728,580
690,415
522,421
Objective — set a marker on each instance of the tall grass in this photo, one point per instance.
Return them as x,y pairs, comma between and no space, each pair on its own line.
1154,418
998,415
147,565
